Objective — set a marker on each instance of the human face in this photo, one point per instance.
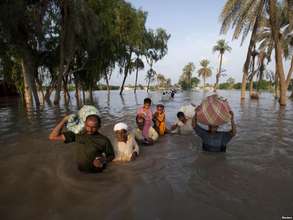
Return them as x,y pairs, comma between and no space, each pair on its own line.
121,135
160,109
91,126
140,124
146,105
182,118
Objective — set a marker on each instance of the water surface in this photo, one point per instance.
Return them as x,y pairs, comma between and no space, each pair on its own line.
173,179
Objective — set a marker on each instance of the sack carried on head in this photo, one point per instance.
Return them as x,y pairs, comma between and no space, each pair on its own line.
214,110
188,110
76,121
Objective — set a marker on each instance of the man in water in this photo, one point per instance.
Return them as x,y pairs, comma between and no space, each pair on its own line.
182,125
151,137
93,150
212,139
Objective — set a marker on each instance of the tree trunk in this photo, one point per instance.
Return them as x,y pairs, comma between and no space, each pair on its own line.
65,90
28,99
28,68
136,76
126,69
251,81
204,83
107,82
63,65
40,88
148,87
83,95
290,13
219,73
77,92
91,93
251,87
251,44
278,52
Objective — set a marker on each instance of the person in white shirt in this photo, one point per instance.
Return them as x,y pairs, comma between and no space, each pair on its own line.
138,133
182,125
125,146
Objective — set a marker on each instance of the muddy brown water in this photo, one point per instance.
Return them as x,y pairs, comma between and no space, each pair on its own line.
173,179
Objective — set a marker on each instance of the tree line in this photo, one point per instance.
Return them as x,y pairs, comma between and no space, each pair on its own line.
47,44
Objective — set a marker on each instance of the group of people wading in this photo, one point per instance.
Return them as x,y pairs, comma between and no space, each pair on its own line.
94,150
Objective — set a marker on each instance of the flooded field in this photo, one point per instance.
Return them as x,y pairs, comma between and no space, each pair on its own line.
173,179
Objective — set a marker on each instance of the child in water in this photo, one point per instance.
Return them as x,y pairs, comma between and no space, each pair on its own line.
159,120
146,112
125,148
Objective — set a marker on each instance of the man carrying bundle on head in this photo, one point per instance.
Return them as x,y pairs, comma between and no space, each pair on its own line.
93,150
214,112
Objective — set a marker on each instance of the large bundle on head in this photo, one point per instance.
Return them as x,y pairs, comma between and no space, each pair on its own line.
214,110
76,121
188,110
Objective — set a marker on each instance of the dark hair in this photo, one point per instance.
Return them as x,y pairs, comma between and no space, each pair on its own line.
180,114
160,105
139,117
94,117
147,101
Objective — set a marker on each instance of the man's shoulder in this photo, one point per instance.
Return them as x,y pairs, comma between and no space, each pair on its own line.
102,137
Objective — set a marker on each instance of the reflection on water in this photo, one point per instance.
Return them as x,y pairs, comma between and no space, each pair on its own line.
171,180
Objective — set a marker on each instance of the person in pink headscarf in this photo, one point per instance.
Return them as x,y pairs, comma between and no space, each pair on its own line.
146,112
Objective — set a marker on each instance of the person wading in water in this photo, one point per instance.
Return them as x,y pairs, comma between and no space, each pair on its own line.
93,151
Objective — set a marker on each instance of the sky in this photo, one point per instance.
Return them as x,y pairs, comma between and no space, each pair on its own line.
194,27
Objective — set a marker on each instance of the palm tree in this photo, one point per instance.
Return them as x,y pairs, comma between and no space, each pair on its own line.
266,41
205,71
150,77
221,47
139,65
276,35
243,16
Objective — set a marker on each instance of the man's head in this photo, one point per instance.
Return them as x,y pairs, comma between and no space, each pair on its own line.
121,133
181,117
140,122
213,128
147,102
92,124
160,108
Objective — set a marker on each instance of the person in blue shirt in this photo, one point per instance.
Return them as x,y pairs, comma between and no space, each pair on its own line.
212,139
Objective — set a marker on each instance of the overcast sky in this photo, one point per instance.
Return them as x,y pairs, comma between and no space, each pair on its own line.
194,27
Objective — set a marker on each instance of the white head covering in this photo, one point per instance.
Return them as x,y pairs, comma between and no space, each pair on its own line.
119,126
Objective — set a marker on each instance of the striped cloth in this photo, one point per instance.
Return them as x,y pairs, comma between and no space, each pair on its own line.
214,110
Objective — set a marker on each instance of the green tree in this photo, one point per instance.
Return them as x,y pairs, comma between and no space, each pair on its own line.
186,76
205,71
243,16
156,48
221,47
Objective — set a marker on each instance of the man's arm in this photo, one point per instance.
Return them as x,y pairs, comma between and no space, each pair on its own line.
56,134
233,129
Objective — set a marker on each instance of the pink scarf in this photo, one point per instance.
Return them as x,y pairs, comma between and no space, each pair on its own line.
148,116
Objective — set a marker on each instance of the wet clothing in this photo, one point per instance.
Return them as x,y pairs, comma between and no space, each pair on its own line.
148,116
215,142
152,134
184,128
124,151
88,147
160,122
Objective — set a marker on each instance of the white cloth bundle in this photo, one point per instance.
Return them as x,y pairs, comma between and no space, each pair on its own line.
76,121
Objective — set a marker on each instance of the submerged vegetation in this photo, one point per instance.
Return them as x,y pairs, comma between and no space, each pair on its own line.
47,45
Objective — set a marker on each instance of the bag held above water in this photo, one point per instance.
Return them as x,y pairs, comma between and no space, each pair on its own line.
76,121
214,110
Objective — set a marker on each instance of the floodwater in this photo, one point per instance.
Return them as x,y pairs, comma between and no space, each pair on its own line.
173,179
